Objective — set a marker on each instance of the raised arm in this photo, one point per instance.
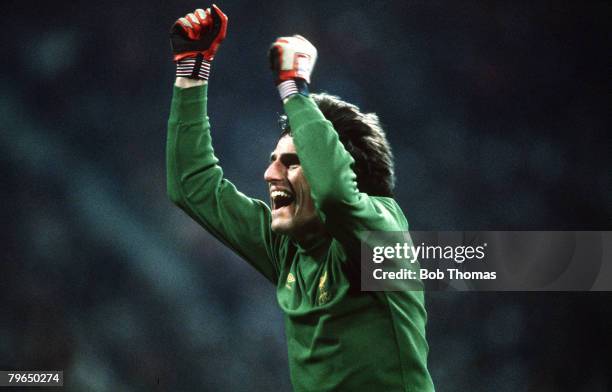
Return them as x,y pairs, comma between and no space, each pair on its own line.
195,181
328,167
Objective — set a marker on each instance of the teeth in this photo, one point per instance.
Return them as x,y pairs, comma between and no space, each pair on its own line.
276,194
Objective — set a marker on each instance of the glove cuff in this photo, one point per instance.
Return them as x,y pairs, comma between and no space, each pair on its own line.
193,68
291,87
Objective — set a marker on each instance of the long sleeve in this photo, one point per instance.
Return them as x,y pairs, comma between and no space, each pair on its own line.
328,168
195,183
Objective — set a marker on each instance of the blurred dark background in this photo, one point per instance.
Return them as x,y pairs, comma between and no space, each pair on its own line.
499,118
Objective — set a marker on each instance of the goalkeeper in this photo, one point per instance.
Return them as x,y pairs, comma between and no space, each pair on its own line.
330,177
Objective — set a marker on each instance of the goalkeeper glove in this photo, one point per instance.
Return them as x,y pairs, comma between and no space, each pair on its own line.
292,60
195,40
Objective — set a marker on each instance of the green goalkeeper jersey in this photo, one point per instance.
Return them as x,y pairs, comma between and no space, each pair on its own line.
339,338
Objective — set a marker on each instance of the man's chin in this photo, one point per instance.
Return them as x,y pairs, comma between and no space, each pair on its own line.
282,220
283,227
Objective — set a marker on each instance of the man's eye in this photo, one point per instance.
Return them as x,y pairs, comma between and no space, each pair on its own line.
290,160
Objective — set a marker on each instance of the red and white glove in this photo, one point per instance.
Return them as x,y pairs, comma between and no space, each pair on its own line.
292,60
195,39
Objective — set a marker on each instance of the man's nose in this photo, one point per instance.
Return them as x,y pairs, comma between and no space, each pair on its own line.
274,172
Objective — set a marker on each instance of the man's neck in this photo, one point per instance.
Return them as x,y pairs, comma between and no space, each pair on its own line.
311,235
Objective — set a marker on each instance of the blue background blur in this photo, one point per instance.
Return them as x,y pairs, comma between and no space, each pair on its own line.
498,114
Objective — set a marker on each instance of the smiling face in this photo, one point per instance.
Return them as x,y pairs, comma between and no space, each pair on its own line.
293,210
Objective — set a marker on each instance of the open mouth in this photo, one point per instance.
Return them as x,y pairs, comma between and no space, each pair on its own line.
281,199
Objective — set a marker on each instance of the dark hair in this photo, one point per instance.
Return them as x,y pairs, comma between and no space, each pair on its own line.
363,138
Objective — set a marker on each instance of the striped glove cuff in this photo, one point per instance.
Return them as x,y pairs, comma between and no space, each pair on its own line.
193,67
291,87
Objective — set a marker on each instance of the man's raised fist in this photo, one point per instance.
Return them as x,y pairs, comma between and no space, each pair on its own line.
292,60
195,39
292,57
